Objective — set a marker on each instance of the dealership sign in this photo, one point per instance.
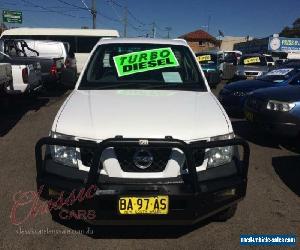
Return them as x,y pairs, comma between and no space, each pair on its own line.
12,16
283,44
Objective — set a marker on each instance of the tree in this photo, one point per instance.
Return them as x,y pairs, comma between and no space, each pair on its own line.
296,24
291,32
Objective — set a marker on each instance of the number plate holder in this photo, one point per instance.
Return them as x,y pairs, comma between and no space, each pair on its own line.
152,205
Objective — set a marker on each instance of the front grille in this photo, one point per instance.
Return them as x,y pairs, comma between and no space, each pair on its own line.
126,155
255,103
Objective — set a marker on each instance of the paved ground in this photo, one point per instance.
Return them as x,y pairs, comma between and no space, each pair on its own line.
272,204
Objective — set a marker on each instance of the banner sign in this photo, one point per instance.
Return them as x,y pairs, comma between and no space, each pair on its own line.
146,60
251,60
283,44
204,58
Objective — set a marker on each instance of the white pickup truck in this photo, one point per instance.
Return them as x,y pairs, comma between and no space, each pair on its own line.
142,140
26,78
5,75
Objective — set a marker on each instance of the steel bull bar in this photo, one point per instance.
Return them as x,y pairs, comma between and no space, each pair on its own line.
92,177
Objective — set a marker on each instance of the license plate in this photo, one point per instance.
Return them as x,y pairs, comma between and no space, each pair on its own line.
249,116
144,205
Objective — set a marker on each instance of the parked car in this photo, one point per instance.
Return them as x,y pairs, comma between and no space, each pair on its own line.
149,133
233,95
251,66
5,75
56,49
26,78
210,63
276,110
270,60
228,67
51,67
279,62
235,53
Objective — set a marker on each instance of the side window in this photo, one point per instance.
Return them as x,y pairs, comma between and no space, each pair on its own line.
48,49
67,39
86,44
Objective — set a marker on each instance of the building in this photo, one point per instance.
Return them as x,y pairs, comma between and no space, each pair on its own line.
253,46
200,40
228,42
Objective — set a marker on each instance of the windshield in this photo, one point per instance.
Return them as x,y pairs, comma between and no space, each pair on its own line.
279,75
142,66
209,59
253,60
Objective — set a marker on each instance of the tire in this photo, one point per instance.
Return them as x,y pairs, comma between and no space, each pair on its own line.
225,214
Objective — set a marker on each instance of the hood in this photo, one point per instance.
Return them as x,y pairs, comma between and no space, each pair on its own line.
290,93
249,85
252,68
102,114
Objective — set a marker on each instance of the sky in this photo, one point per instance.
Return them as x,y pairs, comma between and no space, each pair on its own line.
256,18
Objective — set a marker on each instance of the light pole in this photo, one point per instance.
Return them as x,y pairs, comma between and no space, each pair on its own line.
94,13
168,29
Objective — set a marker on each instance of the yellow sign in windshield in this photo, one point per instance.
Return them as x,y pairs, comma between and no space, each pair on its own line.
251,60
204,58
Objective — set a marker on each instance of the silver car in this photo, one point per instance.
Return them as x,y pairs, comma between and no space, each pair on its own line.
252,66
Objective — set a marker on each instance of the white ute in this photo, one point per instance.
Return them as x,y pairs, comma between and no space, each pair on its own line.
162,137
26,78
5,75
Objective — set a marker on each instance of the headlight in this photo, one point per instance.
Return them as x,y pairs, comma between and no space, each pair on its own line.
240,73
239,93
220,155
280,106
62,154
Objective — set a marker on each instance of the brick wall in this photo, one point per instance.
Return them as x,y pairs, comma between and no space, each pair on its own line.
196,47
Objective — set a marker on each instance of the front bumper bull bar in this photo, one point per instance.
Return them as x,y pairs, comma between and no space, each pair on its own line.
201,197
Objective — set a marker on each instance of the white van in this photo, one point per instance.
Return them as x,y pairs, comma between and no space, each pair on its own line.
81,41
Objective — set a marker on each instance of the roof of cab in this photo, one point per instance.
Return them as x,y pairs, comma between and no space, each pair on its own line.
143,40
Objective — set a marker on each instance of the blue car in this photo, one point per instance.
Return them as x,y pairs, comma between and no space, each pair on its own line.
276,110
210,63
233,95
